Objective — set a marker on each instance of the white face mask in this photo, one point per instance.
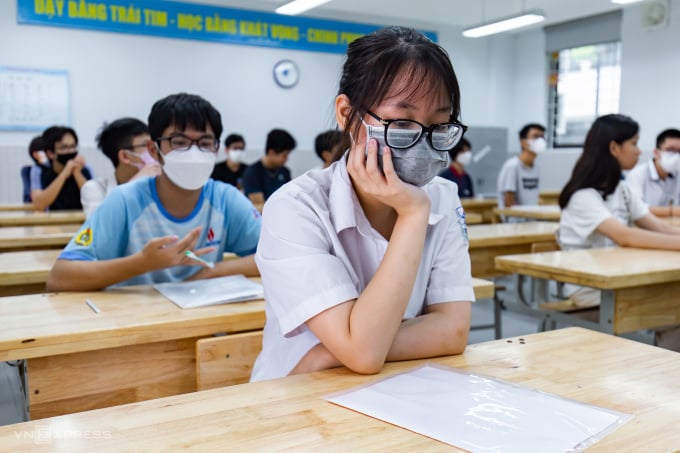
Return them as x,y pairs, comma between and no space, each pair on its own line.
235,155
537,145
416,165
669,161
189,169
464,158
41,156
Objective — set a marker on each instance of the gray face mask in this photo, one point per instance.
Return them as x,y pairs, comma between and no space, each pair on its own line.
416,165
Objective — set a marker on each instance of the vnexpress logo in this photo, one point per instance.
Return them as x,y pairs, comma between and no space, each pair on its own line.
44,434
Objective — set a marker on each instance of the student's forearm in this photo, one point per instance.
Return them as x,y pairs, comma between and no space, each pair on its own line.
232,266
68,275
80,178
376,314
431,335
42,199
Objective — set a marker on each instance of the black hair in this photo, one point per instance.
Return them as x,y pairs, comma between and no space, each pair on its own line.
668,133
234,138
462,144
326,141
119,135
373,63
279,141
53,134
524,132
183,110
36,144
597,168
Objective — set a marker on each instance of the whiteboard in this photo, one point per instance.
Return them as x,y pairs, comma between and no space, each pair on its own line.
33,99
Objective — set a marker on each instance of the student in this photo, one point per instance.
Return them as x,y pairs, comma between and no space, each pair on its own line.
360,267
125,143
657,180
141,231
36,151
262,178
325,143
461,156
231,170
58,185
518,178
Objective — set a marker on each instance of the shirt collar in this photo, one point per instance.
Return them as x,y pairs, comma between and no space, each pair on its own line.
653,173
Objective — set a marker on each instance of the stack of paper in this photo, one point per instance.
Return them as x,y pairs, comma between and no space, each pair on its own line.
213,291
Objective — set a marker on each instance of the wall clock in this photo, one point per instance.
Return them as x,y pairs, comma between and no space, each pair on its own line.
286,74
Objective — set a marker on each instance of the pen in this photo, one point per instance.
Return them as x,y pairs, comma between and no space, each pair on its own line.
92,306
195,257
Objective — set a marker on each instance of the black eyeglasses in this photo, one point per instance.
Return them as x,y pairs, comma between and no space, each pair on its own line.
180,142
403,134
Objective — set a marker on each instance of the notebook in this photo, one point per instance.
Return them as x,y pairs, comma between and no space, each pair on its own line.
213,291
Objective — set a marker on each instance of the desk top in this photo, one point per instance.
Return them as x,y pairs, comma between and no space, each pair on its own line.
15,238
479,203
536,212
549,197
41,218
290,413
498,234
16,207
21,268
38,325
603,268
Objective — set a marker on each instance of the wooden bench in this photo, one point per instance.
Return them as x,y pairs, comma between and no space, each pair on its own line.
226,360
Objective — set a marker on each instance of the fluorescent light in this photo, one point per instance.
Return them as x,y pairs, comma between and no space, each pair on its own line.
505,24
299,6
625,2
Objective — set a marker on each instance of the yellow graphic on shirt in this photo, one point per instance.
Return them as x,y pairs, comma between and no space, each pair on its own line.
84,238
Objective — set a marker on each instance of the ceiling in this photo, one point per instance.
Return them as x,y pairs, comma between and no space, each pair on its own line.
420,13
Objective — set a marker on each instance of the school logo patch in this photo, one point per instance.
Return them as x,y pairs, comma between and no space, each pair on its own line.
460,213
211,234
84,238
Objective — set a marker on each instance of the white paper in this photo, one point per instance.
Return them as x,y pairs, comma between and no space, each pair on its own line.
212,291
481,414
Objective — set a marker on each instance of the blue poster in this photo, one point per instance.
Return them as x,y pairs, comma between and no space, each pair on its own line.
194,21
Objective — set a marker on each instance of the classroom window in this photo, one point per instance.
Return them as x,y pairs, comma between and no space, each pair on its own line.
585,82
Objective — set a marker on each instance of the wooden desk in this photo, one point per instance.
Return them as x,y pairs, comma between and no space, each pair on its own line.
140,345
473,218
483,206
533,212
489,241
639,287
291,414
25,272
16,207
36,237
548,197
41,218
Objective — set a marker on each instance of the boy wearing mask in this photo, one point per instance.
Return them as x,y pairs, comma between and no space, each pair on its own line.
518,179
125,143
231,170
57,186
656,181
144,228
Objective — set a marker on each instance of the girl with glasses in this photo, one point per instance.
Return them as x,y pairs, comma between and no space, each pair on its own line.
367,260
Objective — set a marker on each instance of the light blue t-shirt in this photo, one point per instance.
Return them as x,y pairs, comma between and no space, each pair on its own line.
132,214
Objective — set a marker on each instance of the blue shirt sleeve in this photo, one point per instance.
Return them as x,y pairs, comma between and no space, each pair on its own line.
242,224
36,173
104,234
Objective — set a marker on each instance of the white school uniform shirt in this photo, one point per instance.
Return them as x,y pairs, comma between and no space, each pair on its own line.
644,179
318,250
94,191
586,210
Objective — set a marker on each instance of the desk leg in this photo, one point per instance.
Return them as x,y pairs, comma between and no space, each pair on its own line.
607,307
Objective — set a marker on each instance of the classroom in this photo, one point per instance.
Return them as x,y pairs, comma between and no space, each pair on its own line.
217,149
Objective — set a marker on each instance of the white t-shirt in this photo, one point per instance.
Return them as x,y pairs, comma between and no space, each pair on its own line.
94,191
318,250
586,210
644,179
516,177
